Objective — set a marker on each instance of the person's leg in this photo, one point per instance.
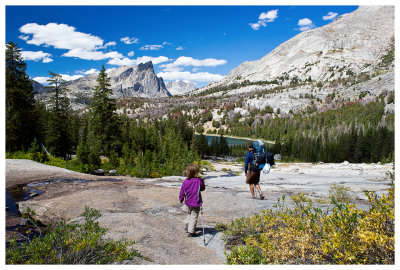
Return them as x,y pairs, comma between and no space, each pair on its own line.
187,219
193,219
252,190
259,191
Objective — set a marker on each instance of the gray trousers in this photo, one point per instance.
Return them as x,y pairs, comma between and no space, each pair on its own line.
191,218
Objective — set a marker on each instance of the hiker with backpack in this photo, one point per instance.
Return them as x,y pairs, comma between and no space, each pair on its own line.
256,160
191,193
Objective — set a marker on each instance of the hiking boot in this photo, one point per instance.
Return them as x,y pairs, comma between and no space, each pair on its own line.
261,197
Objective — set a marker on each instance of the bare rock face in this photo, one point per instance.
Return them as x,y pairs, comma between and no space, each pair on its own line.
351,44
126,81
137,81
180,88
38,87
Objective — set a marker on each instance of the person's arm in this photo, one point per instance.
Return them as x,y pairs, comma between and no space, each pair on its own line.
182,193
202,185
246,163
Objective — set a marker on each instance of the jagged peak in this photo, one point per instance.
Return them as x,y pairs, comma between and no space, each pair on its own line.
144,66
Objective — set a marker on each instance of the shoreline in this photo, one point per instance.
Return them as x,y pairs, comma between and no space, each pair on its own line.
239,138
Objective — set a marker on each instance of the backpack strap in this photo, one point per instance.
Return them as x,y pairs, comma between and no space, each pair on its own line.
253,163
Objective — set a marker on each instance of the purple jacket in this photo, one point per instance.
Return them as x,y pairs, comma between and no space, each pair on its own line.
190,191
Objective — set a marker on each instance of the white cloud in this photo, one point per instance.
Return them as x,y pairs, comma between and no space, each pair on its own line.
42,80
108,70
62,36
189,61
144,59
270,16
155,60
265,17
180,48
330,16
128,40
111,43
122,62
91,55
24,37
36,56
171,68
166,43
255,26
151,47
47,60
186,75
305,21
66,77
130,54
91,71
305,24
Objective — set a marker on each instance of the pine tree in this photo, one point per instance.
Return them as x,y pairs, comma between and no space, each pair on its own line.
59,136
104,121
200,145
82,151
20,102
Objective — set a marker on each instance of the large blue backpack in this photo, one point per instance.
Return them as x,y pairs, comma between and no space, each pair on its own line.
259,154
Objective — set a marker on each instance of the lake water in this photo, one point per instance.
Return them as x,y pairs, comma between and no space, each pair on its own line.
231,141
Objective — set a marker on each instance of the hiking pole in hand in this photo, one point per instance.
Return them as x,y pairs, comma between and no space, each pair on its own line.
202,223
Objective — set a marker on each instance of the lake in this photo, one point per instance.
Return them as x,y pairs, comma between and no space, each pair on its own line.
231,141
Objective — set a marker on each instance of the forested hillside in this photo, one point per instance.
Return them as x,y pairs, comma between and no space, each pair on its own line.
345,120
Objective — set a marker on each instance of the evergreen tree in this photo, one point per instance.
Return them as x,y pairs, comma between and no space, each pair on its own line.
20,102
200,145
223,146
83,151
104,121
59,136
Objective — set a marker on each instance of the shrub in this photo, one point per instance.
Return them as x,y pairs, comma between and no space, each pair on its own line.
339,193
72,244
56,161
305,234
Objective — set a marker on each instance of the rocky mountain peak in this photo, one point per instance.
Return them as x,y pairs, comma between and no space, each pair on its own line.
351,44
180,87
126,81
145,66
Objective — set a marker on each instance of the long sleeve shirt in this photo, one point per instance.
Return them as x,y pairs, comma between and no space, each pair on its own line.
248,161
190,191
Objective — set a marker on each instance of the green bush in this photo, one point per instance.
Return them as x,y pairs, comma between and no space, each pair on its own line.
72,244
304,234
56,161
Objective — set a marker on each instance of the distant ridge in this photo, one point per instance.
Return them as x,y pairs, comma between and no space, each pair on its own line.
351,44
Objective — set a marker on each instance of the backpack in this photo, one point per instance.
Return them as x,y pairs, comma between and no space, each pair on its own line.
259,154
270,158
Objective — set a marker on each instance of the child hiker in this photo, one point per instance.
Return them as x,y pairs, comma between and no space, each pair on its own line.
190,192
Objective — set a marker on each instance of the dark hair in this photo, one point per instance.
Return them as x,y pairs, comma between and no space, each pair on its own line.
191,170
250,145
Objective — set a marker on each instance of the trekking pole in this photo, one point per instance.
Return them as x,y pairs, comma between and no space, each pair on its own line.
202,215
202,224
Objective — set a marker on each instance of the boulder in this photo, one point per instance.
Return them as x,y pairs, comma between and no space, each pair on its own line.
98,172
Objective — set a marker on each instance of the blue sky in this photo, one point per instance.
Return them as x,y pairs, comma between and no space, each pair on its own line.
193,43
